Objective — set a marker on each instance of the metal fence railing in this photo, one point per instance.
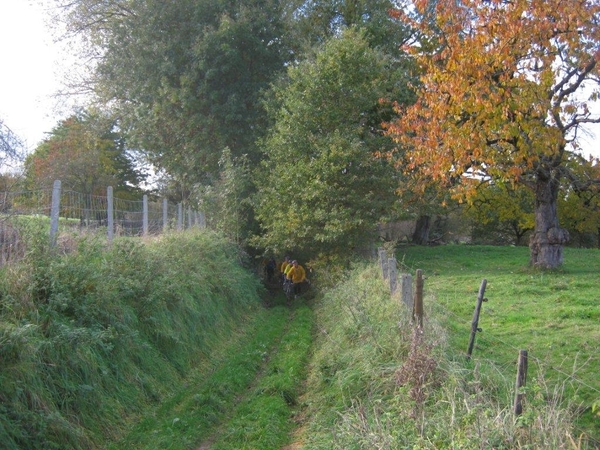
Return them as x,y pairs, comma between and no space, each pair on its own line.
68,210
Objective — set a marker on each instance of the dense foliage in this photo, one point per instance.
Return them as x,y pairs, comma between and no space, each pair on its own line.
184,77
321,186
504,90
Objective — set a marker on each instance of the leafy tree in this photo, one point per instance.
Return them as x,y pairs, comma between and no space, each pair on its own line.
314,22
226,202
87,154
502,212
579,202
502,97
321,188
184,77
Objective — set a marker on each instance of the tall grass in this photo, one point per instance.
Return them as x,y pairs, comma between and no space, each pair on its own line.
90,339
377,383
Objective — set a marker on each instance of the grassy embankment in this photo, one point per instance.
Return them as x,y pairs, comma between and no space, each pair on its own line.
93,341
113,348
374,383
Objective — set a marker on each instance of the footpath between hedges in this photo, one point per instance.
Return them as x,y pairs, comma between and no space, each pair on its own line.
246,398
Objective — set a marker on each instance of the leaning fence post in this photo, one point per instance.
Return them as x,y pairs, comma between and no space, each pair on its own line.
521,381
419,298
54,212
110,218
475,323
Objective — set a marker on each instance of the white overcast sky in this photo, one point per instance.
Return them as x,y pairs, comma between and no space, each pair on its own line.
30,74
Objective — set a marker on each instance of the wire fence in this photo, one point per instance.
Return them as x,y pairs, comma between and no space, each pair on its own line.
69,211
401,288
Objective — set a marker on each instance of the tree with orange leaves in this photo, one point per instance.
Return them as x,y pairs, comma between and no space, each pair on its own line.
505,89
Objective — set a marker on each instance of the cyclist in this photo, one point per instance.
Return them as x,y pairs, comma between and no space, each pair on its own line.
284,265
297,275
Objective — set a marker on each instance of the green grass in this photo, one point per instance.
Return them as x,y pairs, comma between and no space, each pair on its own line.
263,420
165,344
374,383
246,401
555,316
92,340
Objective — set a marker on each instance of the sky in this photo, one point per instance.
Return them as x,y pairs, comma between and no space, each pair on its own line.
30,71
31,68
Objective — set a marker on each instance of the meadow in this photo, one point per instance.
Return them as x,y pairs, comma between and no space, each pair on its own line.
376,381
555,315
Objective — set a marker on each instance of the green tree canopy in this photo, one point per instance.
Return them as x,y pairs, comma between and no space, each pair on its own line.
184,77
502,211
315,21
321,187
579,201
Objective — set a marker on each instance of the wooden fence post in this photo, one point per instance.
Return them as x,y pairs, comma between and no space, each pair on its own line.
407,293
383,262
54,212
419,298
521,381
475,322
393,275
145,215
110,216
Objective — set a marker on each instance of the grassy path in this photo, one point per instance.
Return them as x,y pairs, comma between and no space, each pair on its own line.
246,400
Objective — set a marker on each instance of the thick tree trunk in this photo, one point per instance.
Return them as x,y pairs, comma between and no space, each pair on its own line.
548,239
421,234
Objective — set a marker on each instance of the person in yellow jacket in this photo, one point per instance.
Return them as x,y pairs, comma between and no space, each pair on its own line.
284,266
297,275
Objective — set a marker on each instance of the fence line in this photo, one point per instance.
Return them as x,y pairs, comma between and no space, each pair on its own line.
74,211
388,272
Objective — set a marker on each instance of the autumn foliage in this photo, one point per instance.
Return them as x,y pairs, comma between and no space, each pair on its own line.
501,97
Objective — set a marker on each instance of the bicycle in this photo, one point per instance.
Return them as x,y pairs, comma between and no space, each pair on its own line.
288,289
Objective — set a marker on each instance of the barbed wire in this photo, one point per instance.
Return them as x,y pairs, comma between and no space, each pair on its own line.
490,338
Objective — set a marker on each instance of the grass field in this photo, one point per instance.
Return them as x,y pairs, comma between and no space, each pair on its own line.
555,316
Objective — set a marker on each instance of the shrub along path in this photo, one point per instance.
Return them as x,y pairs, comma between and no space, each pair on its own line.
244,399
